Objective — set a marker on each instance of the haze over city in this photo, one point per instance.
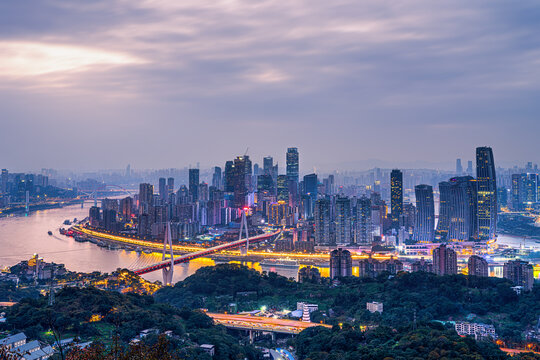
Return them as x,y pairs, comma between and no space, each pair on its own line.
353,85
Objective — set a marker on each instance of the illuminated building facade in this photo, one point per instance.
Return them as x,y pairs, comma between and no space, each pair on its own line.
396,199
340,263
424,229
444,261
487,193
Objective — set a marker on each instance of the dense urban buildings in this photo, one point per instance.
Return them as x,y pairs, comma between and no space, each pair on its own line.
340,263
477,266
520,273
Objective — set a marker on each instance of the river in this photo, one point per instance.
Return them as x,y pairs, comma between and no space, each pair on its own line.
22,236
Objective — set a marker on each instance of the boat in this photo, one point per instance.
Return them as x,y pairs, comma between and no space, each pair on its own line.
67,222
146,251
49,232
63,231
113,247
101,244
280,263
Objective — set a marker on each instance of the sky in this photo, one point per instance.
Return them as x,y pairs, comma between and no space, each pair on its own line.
353,84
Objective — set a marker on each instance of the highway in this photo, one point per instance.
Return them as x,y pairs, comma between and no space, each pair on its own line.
259,323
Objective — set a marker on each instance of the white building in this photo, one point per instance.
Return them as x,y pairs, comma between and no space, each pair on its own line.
374,306
475,329
311,307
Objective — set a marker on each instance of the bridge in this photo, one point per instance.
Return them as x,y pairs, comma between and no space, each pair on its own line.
259,323
186,258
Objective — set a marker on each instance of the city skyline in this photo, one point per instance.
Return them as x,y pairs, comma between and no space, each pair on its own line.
345,83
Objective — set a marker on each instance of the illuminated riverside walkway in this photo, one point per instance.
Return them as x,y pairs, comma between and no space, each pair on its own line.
259,323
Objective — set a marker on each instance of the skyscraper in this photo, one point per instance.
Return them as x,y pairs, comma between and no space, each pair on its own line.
242,172
322,222
487,193
463,209
310,191
4,181
292,164
216,177
469,168
396,199
268,164
343,220
340,263
445,210
478,266
229,177
444,261
424,229
146,197
363,221
163,191
170,185
283,188
459,167
194,184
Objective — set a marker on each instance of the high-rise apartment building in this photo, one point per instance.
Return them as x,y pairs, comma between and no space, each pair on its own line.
444,260
424,228
459,167
477,266
283,188
520,273
323,222
170,186
364,234
146,197
228,185
242,171
487,193
340,263
343,220
194,184
396,197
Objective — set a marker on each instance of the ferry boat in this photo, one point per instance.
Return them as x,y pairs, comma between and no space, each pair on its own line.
49,232
67,222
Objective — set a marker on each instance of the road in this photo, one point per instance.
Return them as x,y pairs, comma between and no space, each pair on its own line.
260,323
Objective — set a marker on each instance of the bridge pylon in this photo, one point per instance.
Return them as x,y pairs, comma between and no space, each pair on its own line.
169,270
244,226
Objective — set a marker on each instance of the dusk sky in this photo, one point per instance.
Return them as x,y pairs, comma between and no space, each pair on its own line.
161,84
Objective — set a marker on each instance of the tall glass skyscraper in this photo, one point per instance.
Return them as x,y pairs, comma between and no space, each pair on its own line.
343,220
463,205
445,210
487,193
424,229
323,222
292,164
396,196
194,184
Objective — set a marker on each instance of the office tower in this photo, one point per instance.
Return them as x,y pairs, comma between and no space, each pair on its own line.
311,185
520,273
109,219
463,205
343,220
364,234
469,168
265,184
163,190
478,266
487,193
278,213
216,177
126,208
502,197
194,184
128,171
283,188
424,229
516,192
323,222
268,165
530,190
445,210
170,186
4,181
459,168
146,197
340,263
109,204
444,261
182,195
242,172
256,170
228,185
292,165
329,185
396,200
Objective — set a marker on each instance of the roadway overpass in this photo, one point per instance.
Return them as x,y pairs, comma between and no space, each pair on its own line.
260,323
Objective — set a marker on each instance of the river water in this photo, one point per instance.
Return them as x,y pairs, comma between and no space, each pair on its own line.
23,236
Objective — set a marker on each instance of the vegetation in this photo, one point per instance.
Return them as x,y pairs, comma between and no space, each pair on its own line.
113,319
431,297
9,292
426,342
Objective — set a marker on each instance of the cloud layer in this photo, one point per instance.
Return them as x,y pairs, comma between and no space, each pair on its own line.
165,84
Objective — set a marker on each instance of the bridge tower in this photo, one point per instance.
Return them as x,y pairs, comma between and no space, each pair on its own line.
169,270
244,226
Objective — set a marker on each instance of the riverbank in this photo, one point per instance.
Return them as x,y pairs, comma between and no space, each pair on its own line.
21,209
